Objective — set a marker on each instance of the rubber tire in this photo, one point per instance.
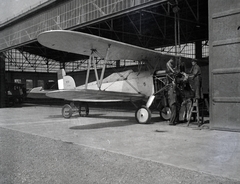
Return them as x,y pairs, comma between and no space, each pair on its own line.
83,110
163,114
143,115
67,114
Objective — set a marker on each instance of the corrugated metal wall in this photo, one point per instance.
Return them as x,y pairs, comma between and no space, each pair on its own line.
224,32
63,16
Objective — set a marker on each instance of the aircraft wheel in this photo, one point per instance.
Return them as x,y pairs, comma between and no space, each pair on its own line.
83,110
143,115
165,113
67,111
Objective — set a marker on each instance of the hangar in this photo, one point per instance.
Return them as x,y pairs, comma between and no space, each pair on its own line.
194,28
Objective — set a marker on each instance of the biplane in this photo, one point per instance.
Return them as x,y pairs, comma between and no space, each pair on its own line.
124,86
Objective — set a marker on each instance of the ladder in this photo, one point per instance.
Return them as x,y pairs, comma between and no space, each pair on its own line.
193,110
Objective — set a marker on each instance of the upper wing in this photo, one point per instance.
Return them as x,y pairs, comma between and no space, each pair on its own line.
82,43
86,95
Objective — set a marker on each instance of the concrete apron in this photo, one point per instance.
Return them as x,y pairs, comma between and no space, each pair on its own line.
207,151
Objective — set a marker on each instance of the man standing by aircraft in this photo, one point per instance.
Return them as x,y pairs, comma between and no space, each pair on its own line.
172,95
195,75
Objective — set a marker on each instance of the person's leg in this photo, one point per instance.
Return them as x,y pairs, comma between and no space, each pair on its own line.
173,114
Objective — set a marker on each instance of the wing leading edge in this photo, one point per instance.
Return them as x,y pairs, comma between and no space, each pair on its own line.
84,44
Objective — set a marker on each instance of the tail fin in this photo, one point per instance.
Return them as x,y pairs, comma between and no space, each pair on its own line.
65,81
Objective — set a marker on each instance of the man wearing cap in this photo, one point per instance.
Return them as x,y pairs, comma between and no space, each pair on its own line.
195,75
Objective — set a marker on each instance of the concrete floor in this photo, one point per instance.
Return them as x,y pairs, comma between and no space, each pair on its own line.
206,151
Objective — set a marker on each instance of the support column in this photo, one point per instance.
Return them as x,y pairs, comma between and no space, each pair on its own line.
2,80
198,49
62,65
118,63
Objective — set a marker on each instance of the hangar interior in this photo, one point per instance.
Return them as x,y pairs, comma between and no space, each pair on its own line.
168,26
146,23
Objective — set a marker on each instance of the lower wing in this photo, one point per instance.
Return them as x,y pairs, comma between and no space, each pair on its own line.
86,95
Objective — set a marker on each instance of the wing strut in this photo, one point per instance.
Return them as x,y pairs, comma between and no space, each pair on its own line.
91,59
95,70
104,66
88,70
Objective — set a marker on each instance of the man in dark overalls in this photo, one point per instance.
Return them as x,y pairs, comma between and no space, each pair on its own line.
195,76
172,101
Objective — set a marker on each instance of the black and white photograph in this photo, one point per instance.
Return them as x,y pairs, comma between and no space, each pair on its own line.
119,92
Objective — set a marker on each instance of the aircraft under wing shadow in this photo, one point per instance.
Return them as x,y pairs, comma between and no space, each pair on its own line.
130,86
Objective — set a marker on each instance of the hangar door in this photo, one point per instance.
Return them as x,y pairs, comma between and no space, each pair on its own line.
224,64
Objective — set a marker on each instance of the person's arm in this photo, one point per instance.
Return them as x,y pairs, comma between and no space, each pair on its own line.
196,71
169,66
